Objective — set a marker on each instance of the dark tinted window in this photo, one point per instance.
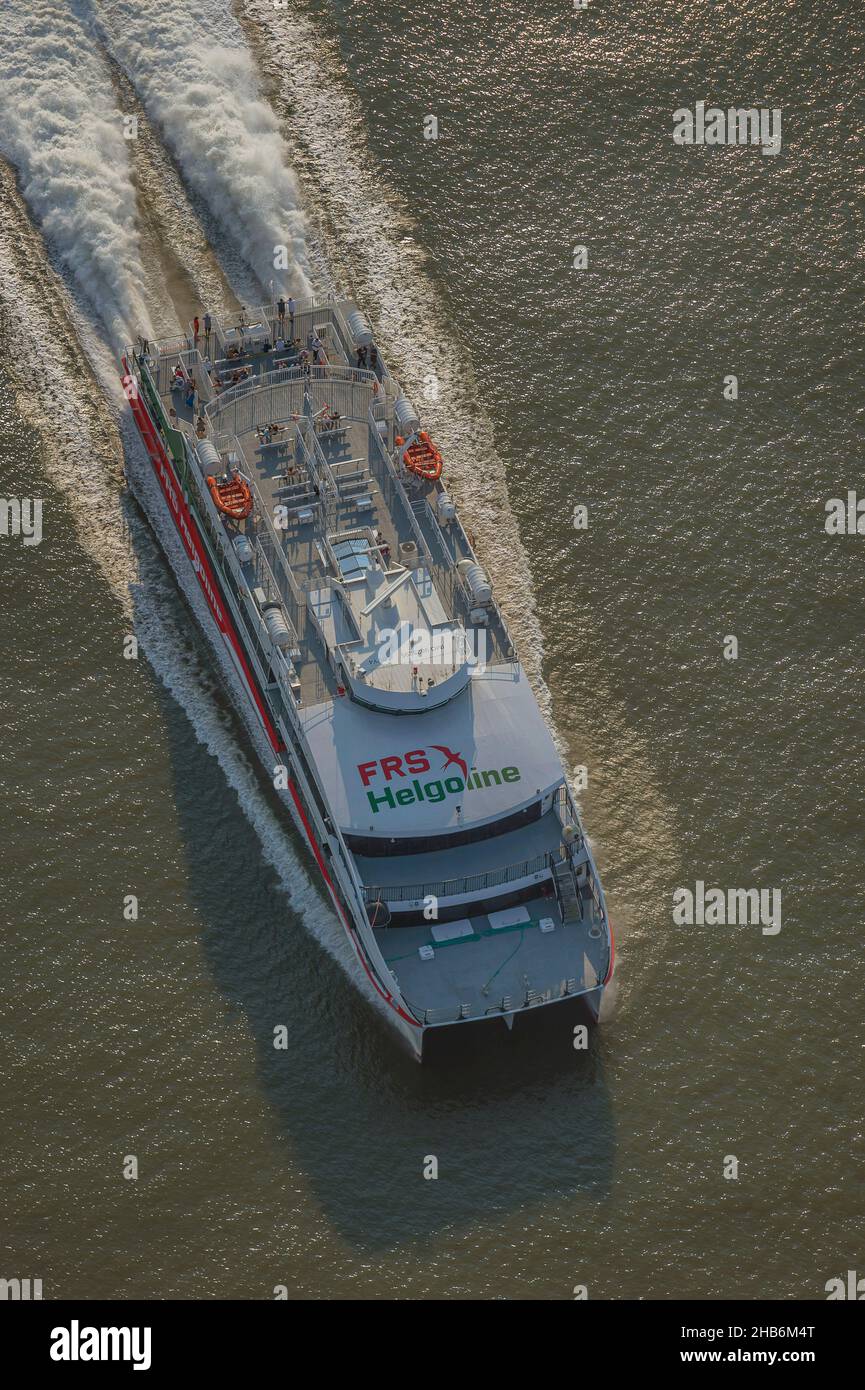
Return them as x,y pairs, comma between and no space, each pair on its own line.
426,844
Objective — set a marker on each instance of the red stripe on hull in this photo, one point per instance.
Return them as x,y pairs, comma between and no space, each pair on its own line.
188,532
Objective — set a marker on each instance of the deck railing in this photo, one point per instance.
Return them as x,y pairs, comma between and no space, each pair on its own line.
396,498
168,347
507,1003
162,370
268,539
566,808
541,865
278,396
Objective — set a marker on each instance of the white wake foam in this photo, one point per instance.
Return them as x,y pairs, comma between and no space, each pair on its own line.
79,421
197,81
61,130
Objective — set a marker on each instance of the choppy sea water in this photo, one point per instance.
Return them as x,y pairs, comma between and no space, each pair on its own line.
551,388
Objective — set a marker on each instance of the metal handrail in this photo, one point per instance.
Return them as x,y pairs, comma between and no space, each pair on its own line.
563,798
469,883
566,988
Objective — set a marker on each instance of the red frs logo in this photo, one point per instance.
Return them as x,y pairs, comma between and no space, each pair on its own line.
410,764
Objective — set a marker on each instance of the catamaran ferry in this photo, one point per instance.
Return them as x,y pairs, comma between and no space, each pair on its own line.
376,664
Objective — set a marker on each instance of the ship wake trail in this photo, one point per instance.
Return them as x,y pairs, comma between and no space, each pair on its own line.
198,83
45,328
61,130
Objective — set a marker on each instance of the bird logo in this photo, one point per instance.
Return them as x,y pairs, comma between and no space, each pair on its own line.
452,758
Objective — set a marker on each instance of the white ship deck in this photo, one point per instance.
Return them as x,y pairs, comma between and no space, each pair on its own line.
330,476
494,971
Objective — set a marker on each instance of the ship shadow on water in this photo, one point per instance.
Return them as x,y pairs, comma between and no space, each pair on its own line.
513,1118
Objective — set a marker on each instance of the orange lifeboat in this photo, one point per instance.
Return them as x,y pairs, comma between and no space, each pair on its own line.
423,458
232,497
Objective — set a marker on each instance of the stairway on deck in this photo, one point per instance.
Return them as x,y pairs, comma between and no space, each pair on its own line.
569,897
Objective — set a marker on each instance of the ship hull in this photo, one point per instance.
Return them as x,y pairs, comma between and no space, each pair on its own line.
227,634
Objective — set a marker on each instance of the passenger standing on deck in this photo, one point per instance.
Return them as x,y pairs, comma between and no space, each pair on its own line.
195,331
373,359
208,324
291,309
280,309
361,357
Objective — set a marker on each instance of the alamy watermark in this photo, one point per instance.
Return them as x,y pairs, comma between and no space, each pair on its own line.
734,907
738,125
452,647
21,516
77,1343
20,1290
845,516
850,1288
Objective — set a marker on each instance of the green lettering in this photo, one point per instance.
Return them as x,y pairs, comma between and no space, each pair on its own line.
386,799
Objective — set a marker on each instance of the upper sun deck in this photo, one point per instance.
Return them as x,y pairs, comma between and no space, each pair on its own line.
376,578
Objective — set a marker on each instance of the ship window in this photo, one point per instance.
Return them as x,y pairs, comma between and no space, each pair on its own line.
353,556
371,846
